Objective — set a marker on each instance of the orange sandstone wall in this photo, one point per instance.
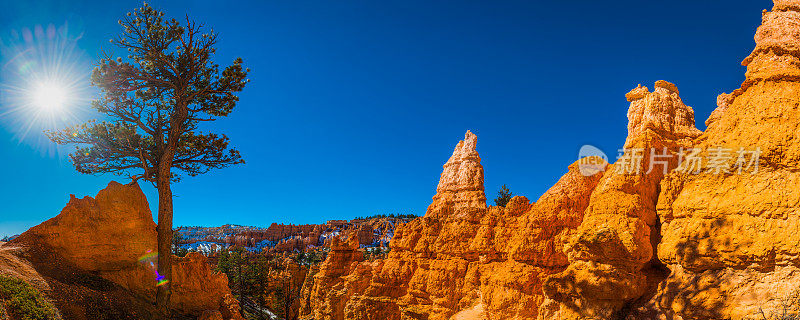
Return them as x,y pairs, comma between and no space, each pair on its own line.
731,240
462,259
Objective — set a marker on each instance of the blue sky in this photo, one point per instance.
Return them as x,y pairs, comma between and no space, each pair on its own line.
354,106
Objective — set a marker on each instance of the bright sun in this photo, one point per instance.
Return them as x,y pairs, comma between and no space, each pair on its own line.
44,86
49,96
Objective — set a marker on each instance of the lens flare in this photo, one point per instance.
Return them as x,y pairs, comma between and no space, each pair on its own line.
149,259
161,280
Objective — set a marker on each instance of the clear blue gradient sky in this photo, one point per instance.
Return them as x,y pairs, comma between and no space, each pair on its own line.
354,106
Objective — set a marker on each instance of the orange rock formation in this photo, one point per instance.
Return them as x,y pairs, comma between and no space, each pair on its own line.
461,259
611,256
277,232
646,243
637,240
730,240
108,234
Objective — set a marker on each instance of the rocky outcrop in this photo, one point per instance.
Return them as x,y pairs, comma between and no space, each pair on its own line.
278,232
196,288
612,254
113,235
330,291
725,232
730,238
584,249
295,243
657,235
461,183
462,259
375,231
106,233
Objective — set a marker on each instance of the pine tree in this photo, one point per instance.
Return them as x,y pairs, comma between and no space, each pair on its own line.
154,101
177,241
261,283
223,262
503,196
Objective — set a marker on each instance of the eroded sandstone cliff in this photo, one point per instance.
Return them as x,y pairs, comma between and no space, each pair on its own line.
612,254
637,240
110,239
693,244
673,239
462,259
730,240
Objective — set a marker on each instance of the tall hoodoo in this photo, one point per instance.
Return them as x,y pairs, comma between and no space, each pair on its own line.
612,253
761,113
730,239
462,260
461,184
649,244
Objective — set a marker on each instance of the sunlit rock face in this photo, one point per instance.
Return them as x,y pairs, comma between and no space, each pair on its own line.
655,243
462,260
649,244
731,240
108,232
461,184
611,255
113,234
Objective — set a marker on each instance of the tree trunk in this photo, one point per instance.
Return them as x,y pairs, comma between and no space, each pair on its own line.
164,238
164,181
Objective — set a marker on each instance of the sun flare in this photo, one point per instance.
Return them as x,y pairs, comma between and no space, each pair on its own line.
44,82
49,96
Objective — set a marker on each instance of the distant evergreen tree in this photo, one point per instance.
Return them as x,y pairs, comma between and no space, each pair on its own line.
391,216
238,272
503,196
223,262
290,293
177,241
260,271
